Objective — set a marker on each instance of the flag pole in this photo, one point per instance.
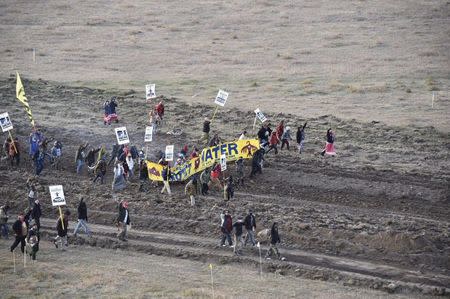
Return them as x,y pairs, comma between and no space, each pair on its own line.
12,141
215,111
61,217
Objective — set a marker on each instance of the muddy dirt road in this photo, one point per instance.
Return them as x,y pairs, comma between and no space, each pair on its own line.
376,213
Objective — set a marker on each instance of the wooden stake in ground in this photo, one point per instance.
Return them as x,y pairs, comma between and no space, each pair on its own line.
14,260
260,259
212,280
432,100
24,259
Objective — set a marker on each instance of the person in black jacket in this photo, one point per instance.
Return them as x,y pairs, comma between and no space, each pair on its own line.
301,137
82,218
250,226
62,231
20,229
36,213
257,160
274,240
123,220
238,242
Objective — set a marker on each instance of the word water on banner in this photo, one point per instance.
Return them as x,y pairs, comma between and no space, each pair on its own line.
223,162
148,134
57,195
169,153
122,135
5,122
260,115
221,98
150,91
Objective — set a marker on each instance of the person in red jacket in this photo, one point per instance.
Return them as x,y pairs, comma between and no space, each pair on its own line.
215,174
280,130
159,109
226,228
273,142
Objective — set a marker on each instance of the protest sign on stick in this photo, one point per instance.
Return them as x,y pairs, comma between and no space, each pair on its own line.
260,115
58,199
169,153
150,91
6,124
148,134
122,135
221,99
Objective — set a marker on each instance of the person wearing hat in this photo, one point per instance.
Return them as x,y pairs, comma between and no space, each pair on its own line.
206,129
123,220
286,137
61,237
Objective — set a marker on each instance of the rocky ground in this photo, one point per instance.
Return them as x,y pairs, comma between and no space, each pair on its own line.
375,214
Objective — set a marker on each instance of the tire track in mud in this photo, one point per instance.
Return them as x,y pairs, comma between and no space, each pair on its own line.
299,263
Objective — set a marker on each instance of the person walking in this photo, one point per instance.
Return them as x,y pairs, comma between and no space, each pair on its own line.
205,131
62,225
226,228
79,156
274,241
240,171
82,219
300,138
20,229
100,171
36,213
191,190
257,160
280,129
4,231
329,146
205,178
56,152
123,220
286,137
238,242
118,180
32,241
166,177
273,143
250,227
143,176
228,190
215,174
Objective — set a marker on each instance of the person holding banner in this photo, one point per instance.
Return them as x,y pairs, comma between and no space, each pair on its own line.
215,174
166,176
61,227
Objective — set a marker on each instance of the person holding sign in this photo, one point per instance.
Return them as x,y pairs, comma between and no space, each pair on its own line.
61,227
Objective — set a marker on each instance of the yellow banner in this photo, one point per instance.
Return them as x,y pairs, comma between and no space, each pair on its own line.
232,150
20,94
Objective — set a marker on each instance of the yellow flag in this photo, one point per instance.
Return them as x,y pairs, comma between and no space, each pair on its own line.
20,94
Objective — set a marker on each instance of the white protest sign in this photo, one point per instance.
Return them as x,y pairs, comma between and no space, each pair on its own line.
221,98
260,115
148,134
169,153
5,122
150,91
57,195
122,135
223,162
